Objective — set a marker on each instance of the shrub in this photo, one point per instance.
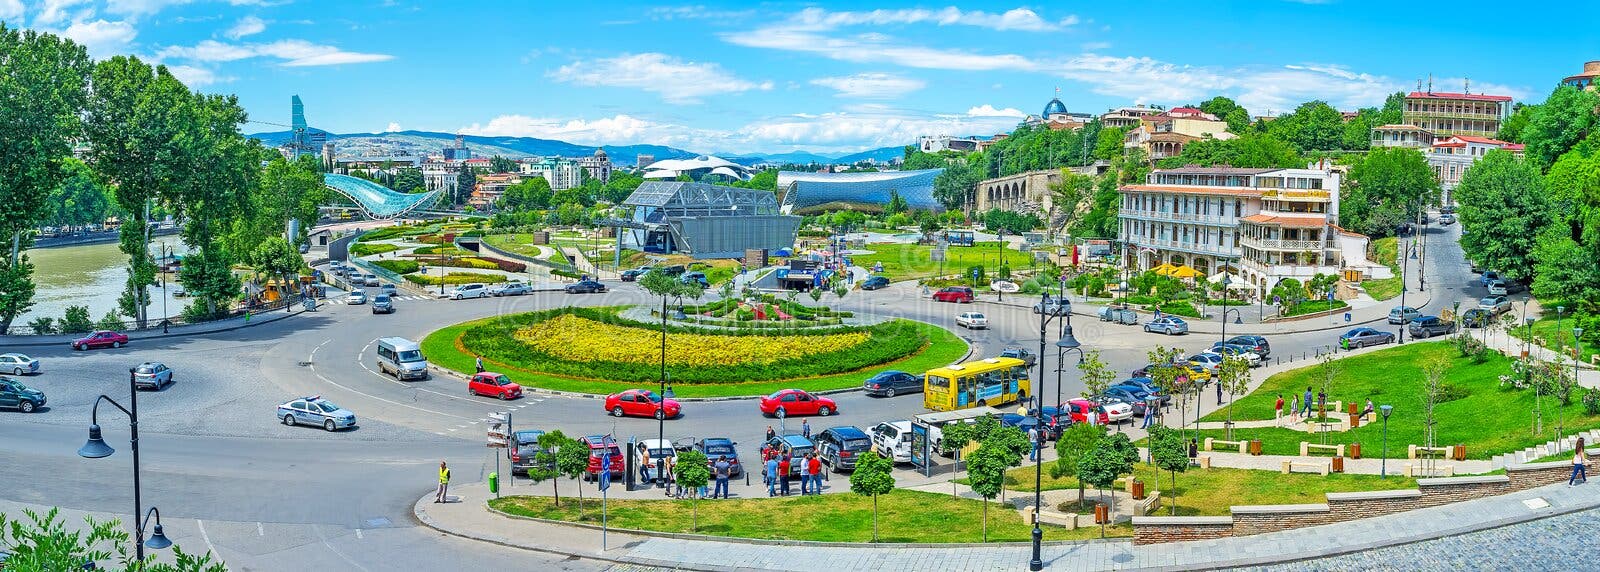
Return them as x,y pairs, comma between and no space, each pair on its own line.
1469,346
398,266
43,325
369,249
566,273
110,321
454,278
1591,401
507,265
76,320
1180,309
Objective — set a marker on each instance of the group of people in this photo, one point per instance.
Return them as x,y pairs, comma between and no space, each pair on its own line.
1301,408
776,468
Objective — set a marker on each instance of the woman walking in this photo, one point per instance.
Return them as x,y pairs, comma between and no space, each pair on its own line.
1579,473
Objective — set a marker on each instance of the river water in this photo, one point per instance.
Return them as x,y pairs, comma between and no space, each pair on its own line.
92,275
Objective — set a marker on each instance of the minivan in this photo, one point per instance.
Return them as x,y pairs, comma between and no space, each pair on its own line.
840,447
892,439
401,358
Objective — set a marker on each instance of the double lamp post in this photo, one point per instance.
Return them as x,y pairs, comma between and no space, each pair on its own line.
1066,343
96,448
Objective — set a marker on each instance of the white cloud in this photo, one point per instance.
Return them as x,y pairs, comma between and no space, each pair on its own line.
50,11
246,26
871,85
696,12
818,19
196,77
677,81
1095,46
102,37
294,53
877,48
10,9
987,110
612,130
394,127
137,8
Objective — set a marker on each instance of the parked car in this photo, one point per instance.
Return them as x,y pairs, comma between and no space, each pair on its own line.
972,320
839,447
796,447
1117,410
715,447
789,402
957,294
586,287
1502,287
1495,304
1119,315
1429,326
474,290
1148,386
1211,362
152,375
1232,350
1257,344
382,304
892,439
1448,209
693,278
1194,372
513,288
1056,422
1476,318
1055,306
601,447
356,298
316,412
1127,395
15,395
1488,276
641,403
1447,219
100,339
1024,354
1403,315
1363,337
653,453
633,274
875,283
525,450
1081,409
892,382
492,384
18,364
1169,325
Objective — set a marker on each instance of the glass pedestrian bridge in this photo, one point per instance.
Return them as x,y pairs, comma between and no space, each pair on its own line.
377,201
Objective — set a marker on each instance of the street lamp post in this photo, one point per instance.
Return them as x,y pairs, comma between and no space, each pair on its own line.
1383,472
96,448
661,411
1227,281
166,259
1067,341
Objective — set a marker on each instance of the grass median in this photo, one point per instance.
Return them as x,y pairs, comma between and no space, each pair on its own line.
903,516
915,261
1209,492
1383,252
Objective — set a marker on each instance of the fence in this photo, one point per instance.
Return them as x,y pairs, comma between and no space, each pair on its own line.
155,323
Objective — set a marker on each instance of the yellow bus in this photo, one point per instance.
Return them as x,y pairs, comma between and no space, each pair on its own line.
987,382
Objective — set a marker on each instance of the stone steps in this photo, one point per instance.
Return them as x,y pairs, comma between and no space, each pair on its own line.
1562,445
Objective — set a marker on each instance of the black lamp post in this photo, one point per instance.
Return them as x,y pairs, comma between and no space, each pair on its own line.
1067,342
1383,472
666,393
96,448
1227,281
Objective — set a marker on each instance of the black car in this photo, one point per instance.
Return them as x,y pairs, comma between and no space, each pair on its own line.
839,447
1429,326
586,287
1056,421
1257,344
1363,337
892,382
1476,318
524,450
1023,354
633,274
715,447
15,395
874,283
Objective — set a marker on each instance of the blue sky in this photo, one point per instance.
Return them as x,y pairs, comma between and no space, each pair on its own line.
821,76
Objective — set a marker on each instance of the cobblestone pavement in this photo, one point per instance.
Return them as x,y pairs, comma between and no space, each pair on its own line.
1548,542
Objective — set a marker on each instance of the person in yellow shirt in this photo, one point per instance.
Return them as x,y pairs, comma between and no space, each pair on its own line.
444,483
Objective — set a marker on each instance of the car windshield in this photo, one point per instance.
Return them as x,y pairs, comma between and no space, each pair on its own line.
410,355
500,380
147,369
651,396
657,453
326,406
1489,301
887,431
719,450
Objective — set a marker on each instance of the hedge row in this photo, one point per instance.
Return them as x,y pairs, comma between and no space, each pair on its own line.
454,278
397,266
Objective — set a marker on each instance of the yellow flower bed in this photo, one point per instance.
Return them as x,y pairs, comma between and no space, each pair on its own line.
576,339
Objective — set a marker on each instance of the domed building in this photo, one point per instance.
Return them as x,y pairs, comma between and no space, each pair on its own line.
697,168
597,166
1053,109
1056,116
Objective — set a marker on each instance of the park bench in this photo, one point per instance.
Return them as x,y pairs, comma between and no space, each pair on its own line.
1418,451
1242,446
1318,467
1307,447
1416,470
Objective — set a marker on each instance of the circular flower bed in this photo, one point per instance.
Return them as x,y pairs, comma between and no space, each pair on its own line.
569,337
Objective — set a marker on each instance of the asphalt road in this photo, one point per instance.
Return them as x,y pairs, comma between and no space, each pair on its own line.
213,451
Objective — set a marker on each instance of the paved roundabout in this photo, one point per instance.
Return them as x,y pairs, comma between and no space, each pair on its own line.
230,477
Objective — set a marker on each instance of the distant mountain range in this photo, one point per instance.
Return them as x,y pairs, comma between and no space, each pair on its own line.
425,142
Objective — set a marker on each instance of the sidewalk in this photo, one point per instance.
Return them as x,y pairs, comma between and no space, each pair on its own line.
1376,313
467,517
155,332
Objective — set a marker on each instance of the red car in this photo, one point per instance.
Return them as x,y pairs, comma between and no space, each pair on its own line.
493,385
957,294
641,403
787,402
1080,408
601,446
100,339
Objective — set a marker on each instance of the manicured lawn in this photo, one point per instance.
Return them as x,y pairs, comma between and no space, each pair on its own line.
903,516
913,261
1480,414
1383,252
445,347
1209,492
371,248
1314,306
433,279
520,244
1546,330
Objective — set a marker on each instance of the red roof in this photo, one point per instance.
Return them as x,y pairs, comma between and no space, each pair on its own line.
1482,140
1450,145
1185,110
1466,96
1513,147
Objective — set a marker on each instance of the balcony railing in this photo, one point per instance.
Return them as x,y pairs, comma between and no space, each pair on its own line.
1193,247
1282,245
1296,194
1180,217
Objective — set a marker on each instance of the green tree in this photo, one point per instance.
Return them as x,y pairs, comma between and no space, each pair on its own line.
1101,466
1502,199
219,168
466,182
42,542
1564,119
1067,196
80,199
276,258
1314,126
76,320
872,478
43,83
1234,378
621,185
1073,444
1568,251
1250,150
1511,129
897,204
1108,143
1095,373
986,471
286,190
1225,109
498,164
1168,451
1389,186
533,193
571,462
409,180
693,471
547,462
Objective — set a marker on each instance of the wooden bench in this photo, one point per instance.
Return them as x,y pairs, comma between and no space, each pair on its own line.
1418,471
1417,451
1243,446
1307,447
1318,467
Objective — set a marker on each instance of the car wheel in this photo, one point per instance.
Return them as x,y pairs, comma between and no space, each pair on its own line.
824,411
288,419
661,414
616,411
77,347
780,413
26,406
506,396
889,393
328,425
17,371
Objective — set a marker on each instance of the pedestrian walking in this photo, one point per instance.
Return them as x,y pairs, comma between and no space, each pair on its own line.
671,474
1294,410
805,476
805,428
1219,393
444,483
1578,470
1033,444
1151,407
783,475
1305,404
721,470
480,365
770,472
1277,411
815,468
771,433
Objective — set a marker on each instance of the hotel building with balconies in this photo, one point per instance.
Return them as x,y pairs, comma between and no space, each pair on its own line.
1445,114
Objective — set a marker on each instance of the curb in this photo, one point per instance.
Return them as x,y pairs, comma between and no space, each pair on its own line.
7,341
1244,328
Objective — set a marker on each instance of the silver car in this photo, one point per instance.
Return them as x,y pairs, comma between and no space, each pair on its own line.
152,375
316,412
18,364
1494,304
356,297
510,289
1169,325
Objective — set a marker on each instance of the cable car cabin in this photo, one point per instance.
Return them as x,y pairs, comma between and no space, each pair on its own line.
988,382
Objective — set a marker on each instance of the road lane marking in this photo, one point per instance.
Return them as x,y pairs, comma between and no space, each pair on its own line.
259,530
358,534
336,551
206,537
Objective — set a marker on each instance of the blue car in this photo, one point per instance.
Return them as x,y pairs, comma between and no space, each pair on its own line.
874,283
890,383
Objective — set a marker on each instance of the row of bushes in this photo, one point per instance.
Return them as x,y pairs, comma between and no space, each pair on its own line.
389,232
566,273
397,266
369,249
887,342
447,250
76,321
454,278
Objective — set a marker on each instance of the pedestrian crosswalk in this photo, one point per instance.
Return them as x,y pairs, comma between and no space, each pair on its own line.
342,299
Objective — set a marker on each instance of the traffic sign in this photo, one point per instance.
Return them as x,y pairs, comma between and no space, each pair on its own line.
499,425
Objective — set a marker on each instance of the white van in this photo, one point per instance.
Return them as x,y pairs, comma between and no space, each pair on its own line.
892,439
401,358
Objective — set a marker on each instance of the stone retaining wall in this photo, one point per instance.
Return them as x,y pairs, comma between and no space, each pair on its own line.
1259,519
1158,529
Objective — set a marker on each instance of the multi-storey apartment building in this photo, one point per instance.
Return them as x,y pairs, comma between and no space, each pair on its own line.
1445,114
1262,225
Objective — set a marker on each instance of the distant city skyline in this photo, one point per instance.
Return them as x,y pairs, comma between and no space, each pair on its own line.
829,77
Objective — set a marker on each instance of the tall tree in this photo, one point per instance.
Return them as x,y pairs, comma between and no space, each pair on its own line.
533,193
872,478
466,182
498,164
43,83
409,180
1564,119
1388,187
1073,444
1095,373
285,190
133,127
986,471
80,199
693,472
1511,129
1314,126
217,169
1251,150
1568,251
1225,109
1168,452
1067,197
1502,199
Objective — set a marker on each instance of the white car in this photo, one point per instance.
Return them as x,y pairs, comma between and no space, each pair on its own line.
1117,410
658,449
473,290
356,297
892,439
18,364
972,320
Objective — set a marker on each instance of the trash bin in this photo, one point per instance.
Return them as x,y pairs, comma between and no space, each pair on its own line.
1355,420
1138,490
1352,407
1355,450
494,483
1460,453
1338,464
1255,447
1102,514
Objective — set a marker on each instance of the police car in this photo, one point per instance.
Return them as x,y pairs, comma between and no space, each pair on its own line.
316,412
